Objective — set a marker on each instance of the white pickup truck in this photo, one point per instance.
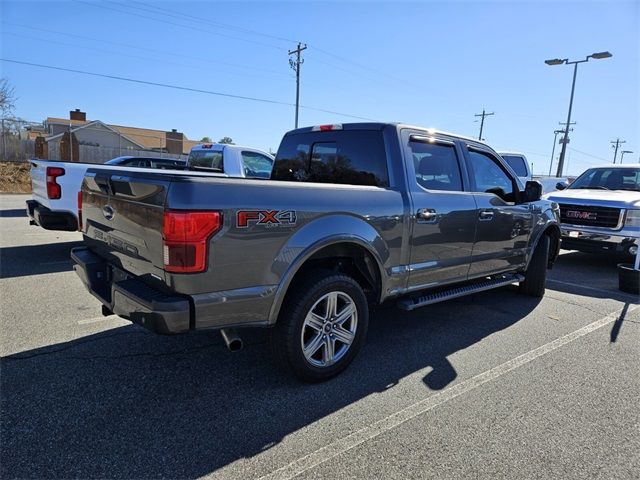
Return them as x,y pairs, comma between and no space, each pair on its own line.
56,185
600,211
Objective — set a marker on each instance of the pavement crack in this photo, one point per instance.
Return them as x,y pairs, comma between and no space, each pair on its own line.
573,303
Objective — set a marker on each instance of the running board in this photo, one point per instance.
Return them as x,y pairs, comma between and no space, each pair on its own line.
412,303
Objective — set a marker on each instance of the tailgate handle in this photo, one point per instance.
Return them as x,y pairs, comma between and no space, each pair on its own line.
104,183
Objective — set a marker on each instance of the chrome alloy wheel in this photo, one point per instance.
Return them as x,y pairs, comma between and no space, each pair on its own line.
329,329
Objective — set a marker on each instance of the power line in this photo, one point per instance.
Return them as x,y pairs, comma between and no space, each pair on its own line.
200,20
255,32
146,49
99,5
588,154
178,87
223,25
144,58
364,67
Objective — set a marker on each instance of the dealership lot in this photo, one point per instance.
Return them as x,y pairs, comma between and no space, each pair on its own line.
496,384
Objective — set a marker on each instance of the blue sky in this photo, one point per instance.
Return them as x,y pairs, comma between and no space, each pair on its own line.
427,63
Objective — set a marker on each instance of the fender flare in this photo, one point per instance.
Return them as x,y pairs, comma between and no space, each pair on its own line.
549,225
306,252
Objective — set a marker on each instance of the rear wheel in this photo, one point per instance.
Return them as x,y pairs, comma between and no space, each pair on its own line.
322,326
535,278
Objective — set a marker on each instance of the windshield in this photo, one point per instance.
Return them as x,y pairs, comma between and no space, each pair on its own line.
609,179
517,163
206,159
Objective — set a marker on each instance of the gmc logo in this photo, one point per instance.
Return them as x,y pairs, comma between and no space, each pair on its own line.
581,215
269,218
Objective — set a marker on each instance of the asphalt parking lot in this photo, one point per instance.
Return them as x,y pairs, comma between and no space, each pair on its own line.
496,385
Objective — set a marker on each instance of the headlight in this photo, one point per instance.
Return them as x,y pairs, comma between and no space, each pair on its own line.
633,218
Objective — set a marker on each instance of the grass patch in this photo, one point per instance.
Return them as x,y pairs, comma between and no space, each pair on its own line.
15,177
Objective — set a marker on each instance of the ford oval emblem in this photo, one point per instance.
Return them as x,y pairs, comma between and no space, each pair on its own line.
108,212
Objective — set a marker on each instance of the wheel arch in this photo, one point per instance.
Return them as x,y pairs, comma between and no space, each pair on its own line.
350,254
552,230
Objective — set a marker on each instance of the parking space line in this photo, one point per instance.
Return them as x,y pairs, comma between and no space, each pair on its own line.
96,320
392,421
593,289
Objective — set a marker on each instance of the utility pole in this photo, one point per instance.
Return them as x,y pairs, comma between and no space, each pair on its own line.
562,139
615,145
483,114
622,154
295,64
553,150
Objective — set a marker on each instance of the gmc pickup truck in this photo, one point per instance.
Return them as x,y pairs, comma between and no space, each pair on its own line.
353,215
600,211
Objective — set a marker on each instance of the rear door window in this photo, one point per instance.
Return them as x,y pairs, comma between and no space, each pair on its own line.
209,159
517,163
256,165
354,157
436,166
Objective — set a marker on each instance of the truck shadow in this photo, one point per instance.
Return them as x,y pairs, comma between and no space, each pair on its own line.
19,261
14,213
126,403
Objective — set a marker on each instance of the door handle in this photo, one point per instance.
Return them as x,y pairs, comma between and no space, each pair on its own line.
427,215
485,215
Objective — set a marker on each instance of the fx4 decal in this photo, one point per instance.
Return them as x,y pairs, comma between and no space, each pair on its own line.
268,218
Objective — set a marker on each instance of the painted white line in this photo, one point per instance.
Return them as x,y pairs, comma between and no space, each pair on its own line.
59,262
593,289
96,320
351,441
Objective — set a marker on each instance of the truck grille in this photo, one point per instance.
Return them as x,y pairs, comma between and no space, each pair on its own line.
589,215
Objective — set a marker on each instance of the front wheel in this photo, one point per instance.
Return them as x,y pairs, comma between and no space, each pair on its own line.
535,278
322,327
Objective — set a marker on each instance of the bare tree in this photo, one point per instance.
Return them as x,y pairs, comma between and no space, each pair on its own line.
7,98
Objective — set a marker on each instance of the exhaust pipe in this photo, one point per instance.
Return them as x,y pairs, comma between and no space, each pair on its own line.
231,339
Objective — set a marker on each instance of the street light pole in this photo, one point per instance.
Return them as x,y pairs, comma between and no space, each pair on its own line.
622,154
558,61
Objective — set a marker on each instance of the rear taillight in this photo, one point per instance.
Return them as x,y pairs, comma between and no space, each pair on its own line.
185,239
54,191
80,211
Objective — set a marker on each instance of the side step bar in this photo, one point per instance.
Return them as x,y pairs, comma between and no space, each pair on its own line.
412,303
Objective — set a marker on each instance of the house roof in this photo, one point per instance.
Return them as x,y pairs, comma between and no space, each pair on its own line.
147,138
94,123
65,121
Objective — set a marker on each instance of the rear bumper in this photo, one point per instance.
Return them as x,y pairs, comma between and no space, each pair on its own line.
131,298
590,242
49,219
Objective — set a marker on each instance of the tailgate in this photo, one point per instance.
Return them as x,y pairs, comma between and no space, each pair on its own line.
123,214
39,182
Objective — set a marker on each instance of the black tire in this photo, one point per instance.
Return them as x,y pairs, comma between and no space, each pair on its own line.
535,278
287,337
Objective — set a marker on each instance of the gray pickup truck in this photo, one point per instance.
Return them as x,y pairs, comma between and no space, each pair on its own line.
600,211
354,215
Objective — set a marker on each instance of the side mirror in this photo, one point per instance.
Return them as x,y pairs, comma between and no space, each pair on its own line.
561,185
533,191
